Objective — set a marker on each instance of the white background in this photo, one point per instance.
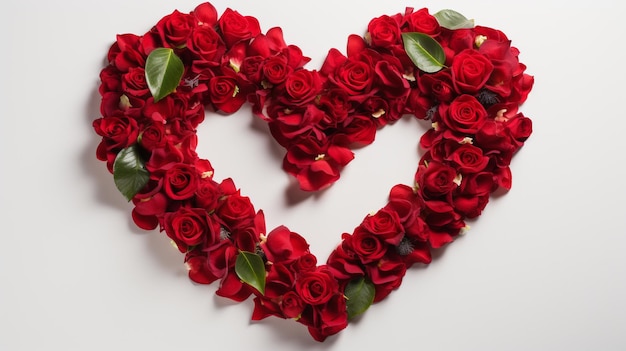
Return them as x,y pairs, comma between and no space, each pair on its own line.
544,268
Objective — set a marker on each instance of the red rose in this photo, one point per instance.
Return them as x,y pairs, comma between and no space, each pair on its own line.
117,133
368,246
134,83
343,262
190,226
383,32
276,69
283,245
235,210
464,115
225,94
438,86
207,194
436,180
174,29
301,87
386,225
469,159
206,43
180,181
360,131
236,27
291,305
355,77
423,22
317,287
470,71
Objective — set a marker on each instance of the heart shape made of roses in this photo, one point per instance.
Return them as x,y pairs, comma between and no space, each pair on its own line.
149,144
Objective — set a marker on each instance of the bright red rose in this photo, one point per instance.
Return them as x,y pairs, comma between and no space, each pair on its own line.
134,83
206,43
328,319
383,32
225,94
438,86
117,133
423,22
470,71
386,276
469,159
464,115
386,225
180,181
359,132
236,27
276,69
317,287
174,29
301,86
355,77
189,227
235,210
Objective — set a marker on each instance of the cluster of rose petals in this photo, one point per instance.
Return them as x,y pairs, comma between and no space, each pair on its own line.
318,117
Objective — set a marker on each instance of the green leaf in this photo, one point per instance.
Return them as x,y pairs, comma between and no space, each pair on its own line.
360,295
425,52
163,72
251,270
129,172
453,20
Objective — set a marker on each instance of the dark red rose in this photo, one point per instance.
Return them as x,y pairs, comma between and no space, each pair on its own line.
359,132
423,22
438,86
436,180
470,71
153,136
464,115
317,287
292,305
180,181
236,27
343,261
174,29
206,43
383,32
126,52
197,263
469,159
284,246
386,225
207,194
117,133
367,245
189,227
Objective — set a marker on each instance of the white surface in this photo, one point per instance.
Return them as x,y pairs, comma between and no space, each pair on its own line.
543,269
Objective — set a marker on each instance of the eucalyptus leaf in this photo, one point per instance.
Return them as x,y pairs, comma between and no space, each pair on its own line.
164,71
425,52
360,295
251,270
129,172
453,20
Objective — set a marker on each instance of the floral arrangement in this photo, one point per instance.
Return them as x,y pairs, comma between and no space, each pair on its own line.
465,80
